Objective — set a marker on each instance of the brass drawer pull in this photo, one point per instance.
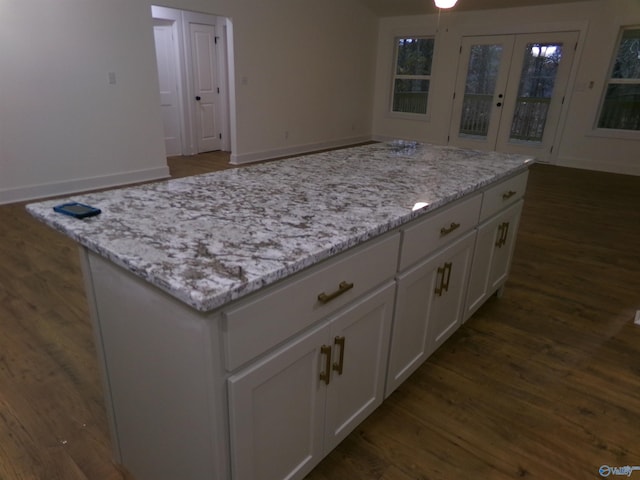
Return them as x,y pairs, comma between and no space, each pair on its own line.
338,366
508,195
446,231
342,288
326,375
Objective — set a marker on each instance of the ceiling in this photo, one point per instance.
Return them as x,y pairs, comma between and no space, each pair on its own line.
388,8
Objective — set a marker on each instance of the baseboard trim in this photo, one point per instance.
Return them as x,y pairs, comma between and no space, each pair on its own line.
600,166
240,159
33,192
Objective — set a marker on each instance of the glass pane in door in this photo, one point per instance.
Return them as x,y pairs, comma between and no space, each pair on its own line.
482,73
537,79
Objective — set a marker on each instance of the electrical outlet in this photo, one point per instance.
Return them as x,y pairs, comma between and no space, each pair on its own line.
637,320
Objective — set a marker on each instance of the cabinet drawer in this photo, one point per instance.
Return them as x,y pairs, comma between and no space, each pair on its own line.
270,317
502,195
438,229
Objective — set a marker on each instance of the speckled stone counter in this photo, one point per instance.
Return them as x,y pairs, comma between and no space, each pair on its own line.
213,238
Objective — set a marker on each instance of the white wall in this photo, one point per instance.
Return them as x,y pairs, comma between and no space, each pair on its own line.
304,79
580,145
63,126
304,73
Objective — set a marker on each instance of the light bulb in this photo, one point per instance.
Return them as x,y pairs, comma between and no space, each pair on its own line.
445,3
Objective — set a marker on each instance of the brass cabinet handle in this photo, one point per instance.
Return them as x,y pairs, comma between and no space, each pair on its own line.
506,232
445,271
326,375
509,194
338,366
343,287
446,231
439,289
503,231
499,236
445,284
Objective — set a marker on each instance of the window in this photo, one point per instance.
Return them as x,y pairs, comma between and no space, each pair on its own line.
621,106
412,74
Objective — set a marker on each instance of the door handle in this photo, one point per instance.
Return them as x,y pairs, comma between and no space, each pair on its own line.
499,104
198,98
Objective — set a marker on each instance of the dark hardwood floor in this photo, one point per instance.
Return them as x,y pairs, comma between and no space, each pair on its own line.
543,383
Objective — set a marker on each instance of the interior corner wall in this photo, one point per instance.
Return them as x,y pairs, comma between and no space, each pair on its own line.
579,143
79,104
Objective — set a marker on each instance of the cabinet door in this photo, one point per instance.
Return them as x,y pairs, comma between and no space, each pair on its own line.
492,258
276,410
451,292
429,306
361,343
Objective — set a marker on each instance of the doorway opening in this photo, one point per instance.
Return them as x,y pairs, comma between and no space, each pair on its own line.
194,65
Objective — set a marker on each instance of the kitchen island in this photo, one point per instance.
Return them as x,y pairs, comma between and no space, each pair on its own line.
247,320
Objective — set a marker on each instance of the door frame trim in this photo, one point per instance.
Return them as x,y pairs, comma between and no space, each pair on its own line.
182,19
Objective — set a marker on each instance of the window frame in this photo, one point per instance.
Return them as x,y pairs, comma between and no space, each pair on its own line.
395,76
610,80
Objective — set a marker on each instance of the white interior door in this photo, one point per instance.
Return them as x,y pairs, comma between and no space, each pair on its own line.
510,90
206,87
167,61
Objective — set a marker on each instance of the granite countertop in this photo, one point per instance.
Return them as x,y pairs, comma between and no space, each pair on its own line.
213,238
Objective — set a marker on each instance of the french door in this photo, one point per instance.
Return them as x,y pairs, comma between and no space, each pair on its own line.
510,90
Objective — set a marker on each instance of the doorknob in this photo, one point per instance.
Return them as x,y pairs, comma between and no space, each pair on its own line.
499,104
198,98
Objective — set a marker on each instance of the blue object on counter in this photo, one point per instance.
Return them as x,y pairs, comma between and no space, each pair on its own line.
77,210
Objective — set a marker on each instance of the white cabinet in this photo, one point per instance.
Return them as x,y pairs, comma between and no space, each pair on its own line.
267,385
292,407
429,306
423,237
277,412
495,243
491,262
263,321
